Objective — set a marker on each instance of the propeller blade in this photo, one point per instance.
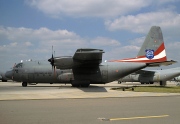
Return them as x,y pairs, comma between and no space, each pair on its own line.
54,71
51,60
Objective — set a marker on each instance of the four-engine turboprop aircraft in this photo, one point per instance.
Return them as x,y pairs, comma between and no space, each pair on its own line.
151,76
86,66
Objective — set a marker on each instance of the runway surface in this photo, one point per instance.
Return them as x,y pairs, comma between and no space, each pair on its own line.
14,91
133,110
63,104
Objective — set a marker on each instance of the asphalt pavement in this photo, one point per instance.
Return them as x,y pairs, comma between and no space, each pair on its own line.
131,110
63,104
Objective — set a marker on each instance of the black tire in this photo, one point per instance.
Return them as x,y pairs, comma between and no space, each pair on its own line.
119,82
75,85
151,82
161,83
24,84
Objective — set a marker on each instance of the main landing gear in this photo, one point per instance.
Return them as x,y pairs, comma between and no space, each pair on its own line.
162,83
24,84
80,85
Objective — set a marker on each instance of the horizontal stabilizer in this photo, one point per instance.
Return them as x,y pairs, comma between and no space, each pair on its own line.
144,72
166,63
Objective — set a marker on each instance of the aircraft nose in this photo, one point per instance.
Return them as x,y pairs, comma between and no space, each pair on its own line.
9,74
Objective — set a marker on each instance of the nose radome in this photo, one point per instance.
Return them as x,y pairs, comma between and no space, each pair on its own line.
9,74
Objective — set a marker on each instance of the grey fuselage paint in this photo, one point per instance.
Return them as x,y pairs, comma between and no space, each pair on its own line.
42,72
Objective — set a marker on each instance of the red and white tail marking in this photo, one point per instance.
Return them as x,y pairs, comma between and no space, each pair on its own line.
159,56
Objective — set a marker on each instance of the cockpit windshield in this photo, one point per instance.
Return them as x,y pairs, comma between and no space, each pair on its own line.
19,65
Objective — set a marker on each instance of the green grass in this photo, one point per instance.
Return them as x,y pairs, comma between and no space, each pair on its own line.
157,89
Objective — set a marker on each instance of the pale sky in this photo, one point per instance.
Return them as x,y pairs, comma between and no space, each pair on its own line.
29,28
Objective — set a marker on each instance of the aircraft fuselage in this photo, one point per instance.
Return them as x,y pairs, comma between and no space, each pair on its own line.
42,72
157,76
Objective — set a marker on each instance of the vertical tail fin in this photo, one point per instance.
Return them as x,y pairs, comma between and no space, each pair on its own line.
153,47
152,50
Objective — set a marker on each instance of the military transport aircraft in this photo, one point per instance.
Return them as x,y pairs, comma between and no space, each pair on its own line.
151,76
86,66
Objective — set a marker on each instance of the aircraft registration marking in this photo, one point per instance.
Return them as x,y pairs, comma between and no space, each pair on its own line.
133,118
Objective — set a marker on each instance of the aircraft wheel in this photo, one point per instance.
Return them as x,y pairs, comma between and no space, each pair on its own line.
24,84
151,82
75,85
162,83
132,89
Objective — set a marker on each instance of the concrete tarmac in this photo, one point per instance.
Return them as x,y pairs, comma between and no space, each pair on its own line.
132,110
63,104
14,91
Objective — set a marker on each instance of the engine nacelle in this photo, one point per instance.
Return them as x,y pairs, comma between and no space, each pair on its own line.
65,62
66,77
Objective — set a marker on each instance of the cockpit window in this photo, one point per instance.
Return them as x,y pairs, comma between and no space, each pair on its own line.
19,65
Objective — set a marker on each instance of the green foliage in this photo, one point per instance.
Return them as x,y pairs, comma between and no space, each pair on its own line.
158,89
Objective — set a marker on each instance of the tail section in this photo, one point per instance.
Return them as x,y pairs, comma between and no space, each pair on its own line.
152,50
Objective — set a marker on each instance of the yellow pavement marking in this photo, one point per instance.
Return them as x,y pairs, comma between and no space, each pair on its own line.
142,117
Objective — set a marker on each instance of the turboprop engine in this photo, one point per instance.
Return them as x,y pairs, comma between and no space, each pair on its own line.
65,62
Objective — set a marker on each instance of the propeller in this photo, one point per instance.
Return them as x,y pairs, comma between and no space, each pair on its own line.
51,60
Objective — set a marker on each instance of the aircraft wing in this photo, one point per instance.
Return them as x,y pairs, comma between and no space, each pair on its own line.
88,56
82,57
86,62
166,63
